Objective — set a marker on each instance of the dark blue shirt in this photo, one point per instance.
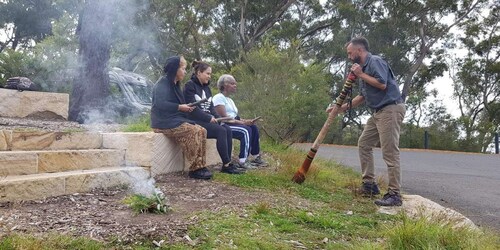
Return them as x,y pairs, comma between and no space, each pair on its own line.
376,98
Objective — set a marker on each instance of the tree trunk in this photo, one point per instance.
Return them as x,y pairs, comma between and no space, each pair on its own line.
91,85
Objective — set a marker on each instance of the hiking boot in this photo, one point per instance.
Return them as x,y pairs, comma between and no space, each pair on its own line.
231,169
258,162
245,165
202,173
369,189
390,199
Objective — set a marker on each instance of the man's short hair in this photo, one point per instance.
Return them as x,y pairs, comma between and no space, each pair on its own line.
360,41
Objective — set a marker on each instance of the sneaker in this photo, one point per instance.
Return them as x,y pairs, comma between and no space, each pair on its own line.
369,189
258,162
202,173
231,169
390,199
245,165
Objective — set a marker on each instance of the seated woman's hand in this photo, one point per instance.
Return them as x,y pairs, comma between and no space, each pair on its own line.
247,122
185,108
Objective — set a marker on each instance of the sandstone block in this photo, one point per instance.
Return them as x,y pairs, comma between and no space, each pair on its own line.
34,104
47,140
29,187
5,139
68,160
156,151
151,150
39,186
86,181
18,163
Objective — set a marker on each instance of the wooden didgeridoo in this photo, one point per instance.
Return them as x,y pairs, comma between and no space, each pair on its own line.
300,175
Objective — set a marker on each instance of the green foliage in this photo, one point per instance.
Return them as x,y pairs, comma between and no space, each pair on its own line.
289,96
140,124
30,242
477,81
436,234
13,63
142,204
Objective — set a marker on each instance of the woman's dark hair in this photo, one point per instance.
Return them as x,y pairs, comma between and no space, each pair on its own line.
199,66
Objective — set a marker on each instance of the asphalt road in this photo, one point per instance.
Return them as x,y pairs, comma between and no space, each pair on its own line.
466,182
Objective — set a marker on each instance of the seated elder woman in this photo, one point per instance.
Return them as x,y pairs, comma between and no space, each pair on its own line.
242,129
169,116
196,89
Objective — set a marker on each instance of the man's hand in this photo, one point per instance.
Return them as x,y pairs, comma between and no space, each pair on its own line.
357,69
336,109
213,120
185,108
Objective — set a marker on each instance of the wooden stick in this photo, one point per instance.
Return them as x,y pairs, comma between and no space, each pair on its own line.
300,175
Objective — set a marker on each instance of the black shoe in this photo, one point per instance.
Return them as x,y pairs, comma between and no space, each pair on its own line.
390,199
202,173
369,189
231,169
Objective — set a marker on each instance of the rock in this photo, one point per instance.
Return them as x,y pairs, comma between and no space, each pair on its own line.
34,104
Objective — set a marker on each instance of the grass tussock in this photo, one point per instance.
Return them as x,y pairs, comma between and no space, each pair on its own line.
436,234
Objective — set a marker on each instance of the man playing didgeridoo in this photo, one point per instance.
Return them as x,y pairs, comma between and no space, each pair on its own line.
380,92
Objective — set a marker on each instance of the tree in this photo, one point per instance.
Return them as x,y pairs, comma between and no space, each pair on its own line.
26,21
477,81
91,85
292,104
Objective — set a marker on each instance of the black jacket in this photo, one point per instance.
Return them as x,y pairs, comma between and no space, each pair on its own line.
167,96
193,91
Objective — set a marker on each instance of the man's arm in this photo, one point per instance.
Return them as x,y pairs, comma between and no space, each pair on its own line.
357,69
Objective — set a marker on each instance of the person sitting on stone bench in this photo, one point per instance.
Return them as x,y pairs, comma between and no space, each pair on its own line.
244,130
197,88
169,116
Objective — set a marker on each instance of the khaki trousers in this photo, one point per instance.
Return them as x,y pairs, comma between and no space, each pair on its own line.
383,128
193,141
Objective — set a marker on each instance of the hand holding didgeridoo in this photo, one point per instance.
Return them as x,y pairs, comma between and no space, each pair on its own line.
300,175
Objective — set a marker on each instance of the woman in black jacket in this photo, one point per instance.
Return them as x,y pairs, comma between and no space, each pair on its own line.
169,116
196,89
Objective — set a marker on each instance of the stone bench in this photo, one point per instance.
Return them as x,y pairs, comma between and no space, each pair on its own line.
154,151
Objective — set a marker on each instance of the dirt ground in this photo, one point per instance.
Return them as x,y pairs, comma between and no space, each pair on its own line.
103,216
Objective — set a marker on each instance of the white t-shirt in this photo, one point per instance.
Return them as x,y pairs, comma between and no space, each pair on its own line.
220,99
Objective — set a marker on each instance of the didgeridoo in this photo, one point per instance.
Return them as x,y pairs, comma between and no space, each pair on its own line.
300,175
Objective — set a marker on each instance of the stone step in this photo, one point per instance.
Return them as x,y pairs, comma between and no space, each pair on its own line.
18,140
48,161
39,186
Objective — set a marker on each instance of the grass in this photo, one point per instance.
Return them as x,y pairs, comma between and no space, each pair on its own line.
142,204
140,124
323,213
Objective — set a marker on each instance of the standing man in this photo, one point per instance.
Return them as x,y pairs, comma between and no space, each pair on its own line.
378,89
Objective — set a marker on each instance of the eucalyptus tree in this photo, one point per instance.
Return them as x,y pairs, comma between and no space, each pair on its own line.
477,80
25,22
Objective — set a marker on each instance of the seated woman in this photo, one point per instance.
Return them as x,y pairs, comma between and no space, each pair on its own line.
196,89
244,130
169,116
